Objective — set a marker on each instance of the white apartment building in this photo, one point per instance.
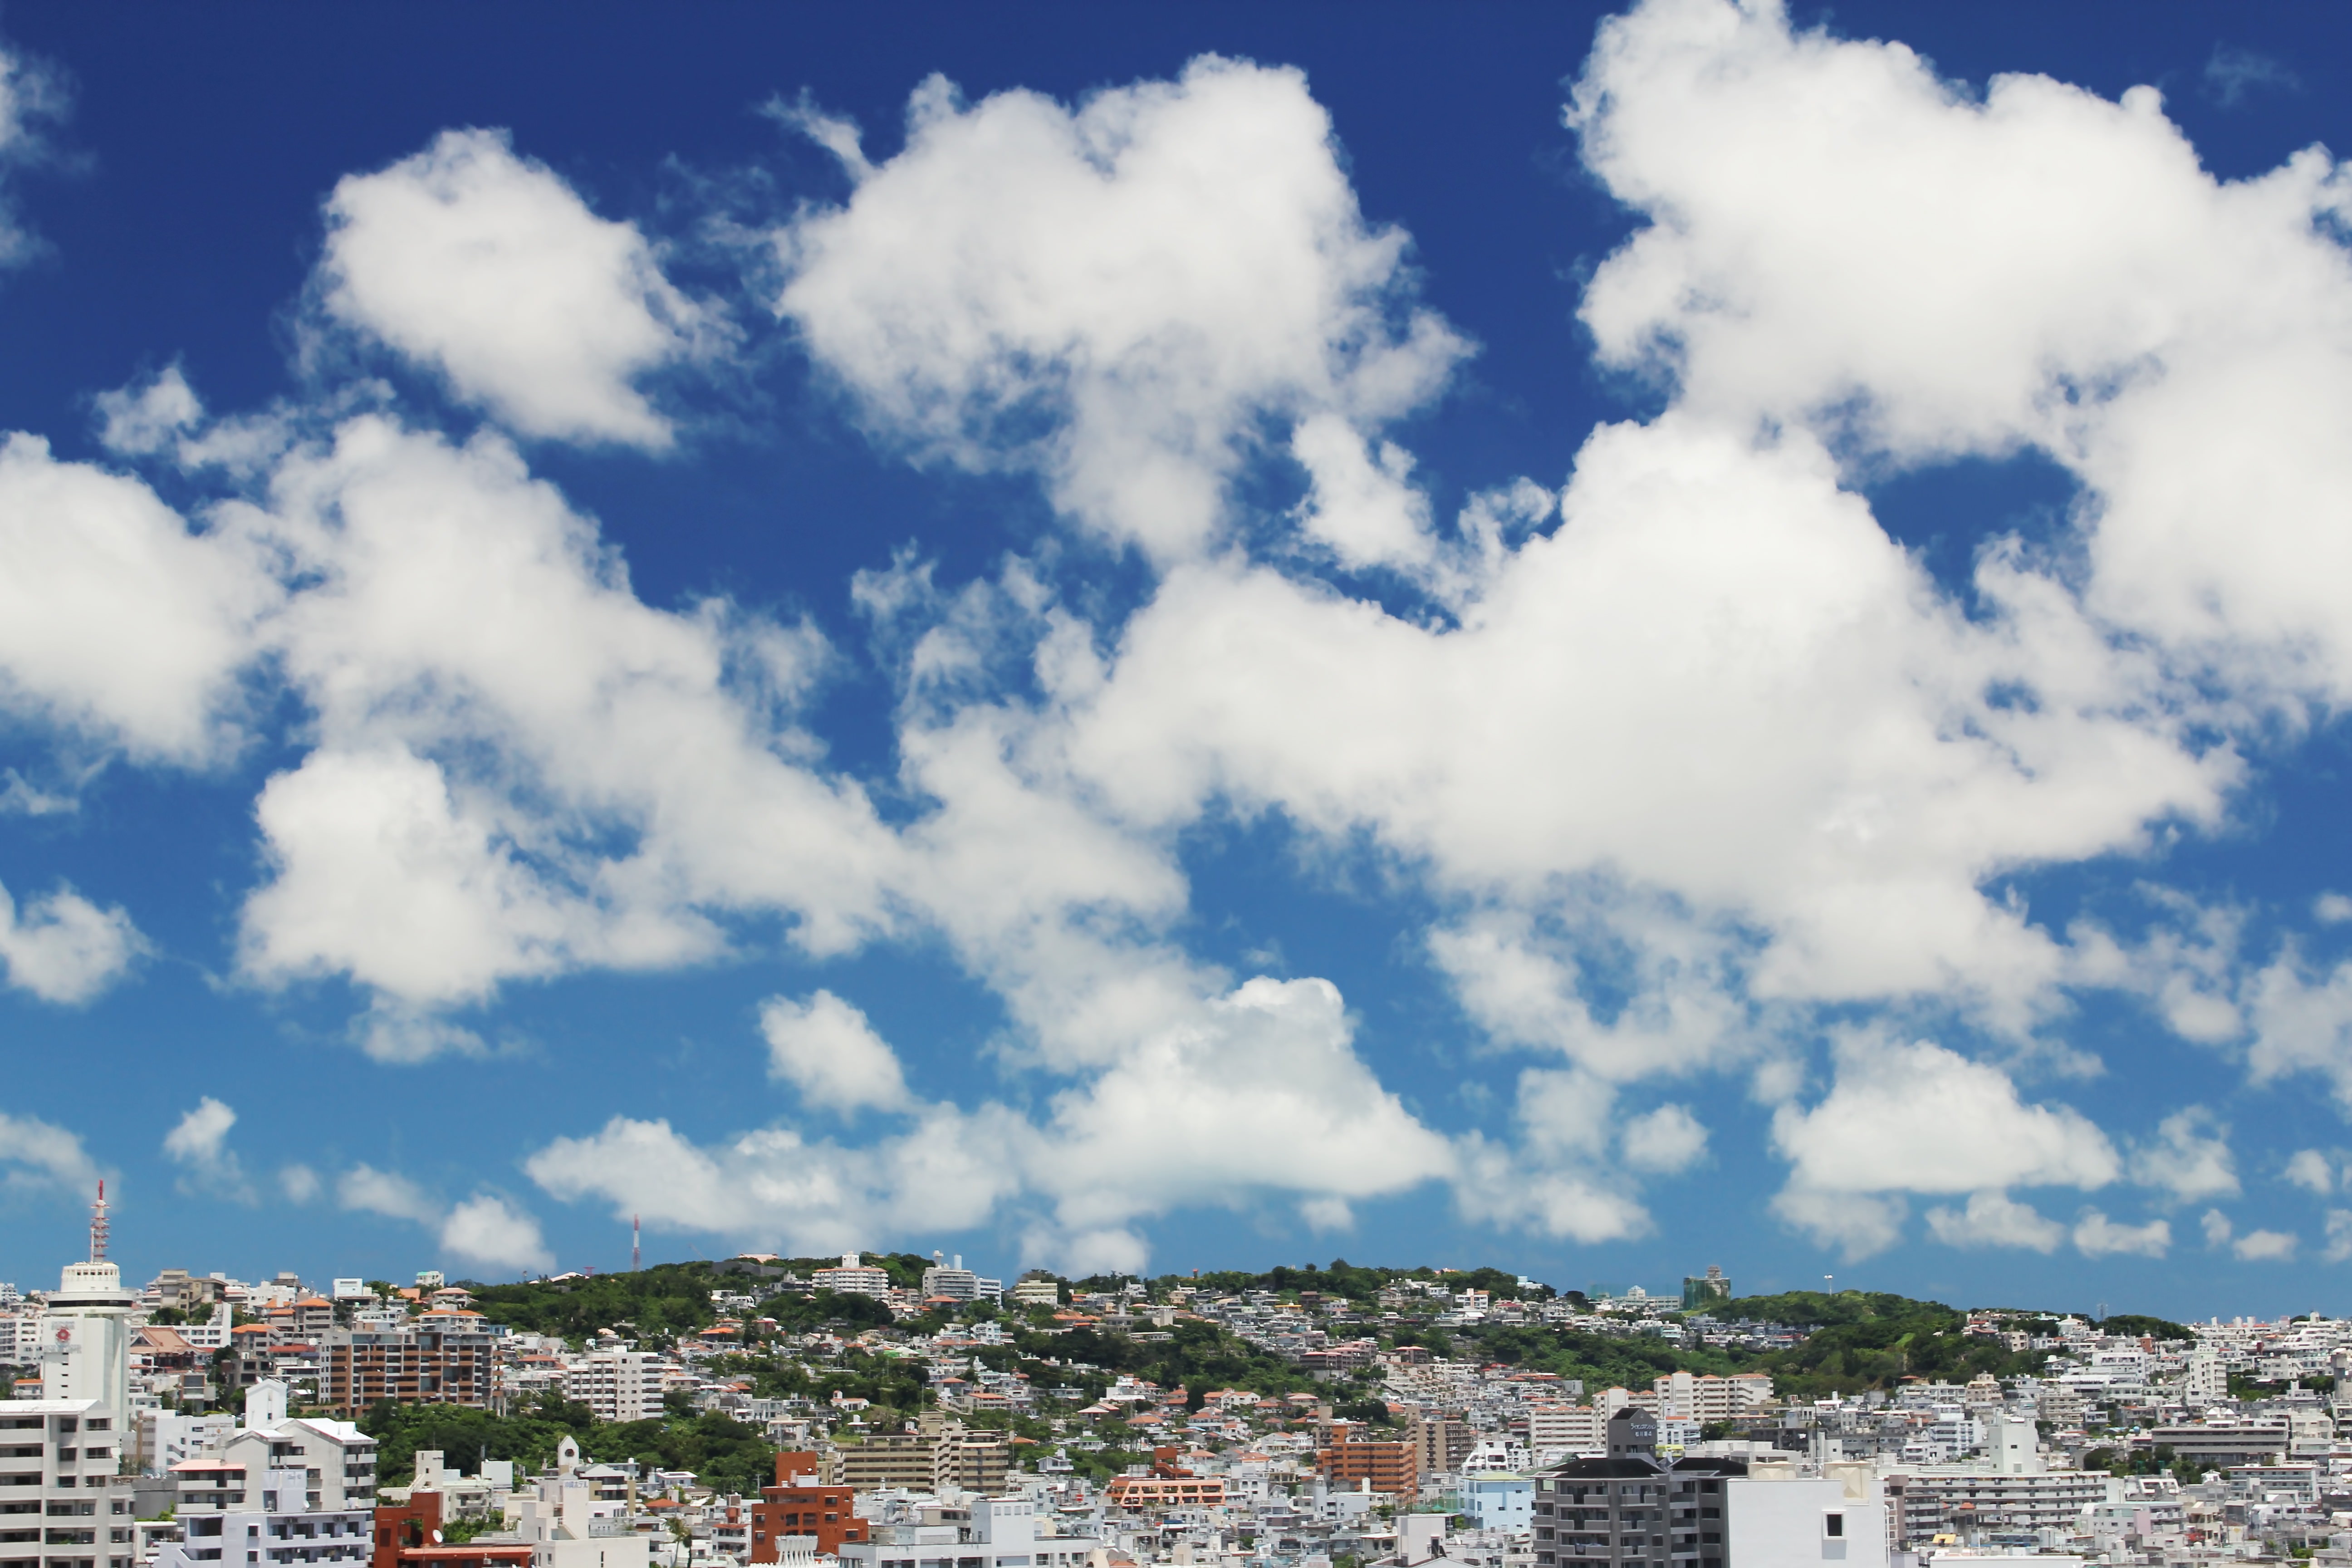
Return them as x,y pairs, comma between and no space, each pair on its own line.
212,1334
1803,1523
952,1280
851,1279
1706,1397
61,1502
280,1530
335,1459
618,1385
463,1497
167,1438
1559,1431
561,1519
2012,1488
84,1337
993,1533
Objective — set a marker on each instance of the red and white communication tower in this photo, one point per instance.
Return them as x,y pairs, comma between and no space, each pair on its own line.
98,1226
636,1235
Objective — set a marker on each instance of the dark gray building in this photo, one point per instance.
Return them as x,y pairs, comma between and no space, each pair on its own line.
1632,1510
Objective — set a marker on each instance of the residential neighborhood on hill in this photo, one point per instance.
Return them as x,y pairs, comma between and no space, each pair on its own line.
897,1411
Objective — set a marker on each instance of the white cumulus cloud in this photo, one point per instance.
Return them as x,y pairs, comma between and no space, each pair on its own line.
2311,1171
62,947
387,1193
2188,1157
490,270
2096,1235
1995,1219
1113,295
1921,1119
486,1230
116,621
198,1145
41,1154
1666,1140
520,768
1255,1092
824,1048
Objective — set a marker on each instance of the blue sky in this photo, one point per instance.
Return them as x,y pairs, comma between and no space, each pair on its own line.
1598,641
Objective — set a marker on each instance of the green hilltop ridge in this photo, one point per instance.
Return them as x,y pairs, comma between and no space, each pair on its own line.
1217,1328
1855,1340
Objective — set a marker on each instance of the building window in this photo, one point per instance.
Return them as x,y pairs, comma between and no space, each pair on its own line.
1833,1525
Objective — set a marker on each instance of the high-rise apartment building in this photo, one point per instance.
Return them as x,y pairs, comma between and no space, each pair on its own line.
1629,1508
851,1279
618,1385
442,1364
1384,1465
61,1503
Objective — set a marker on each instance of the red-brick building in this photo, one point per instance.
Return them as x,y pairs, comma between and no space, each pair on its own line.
798,1505
404,1526
404,1538
1387,1467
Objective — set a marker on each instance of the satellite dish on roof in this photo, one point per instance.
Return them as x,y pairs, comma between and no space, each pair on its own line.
437,1538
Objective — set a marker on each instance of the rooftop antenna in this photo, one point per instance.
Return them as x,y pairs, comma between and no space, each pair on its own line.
98,1226
636,1241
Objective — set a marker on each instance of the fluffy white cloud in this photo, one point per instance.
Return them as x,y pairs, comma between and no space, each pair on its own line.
520,767
387,1193
1556,1177
1922,1118
41,1154
1666,1140
2340,1235
1257,1091
2187,964
198,1145
2311,1171
945,1174
2188,1157
485,1229
1803,745
1262,1090
1995,1219
62,947
115,620
1114,296
2096,1235
2254,1246
2266,1245
142,422
489,1230
299,1182
827,1049
1523,984
2301,1023
1857,1223
1839,235
490,270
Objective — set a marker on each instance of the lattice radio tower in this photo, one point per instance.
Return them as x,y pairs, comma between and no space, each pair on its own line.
98,1226
636,1235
